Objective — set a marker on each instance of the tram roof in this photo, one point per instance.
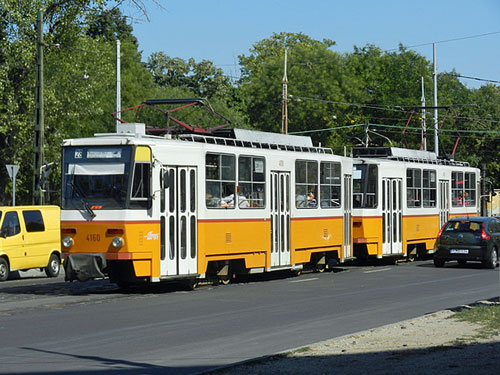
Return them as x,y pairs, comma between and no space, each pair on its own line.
403,154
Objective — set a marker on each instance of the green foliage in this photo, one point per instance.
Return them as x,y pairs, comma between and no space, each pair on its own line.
203,78
331,96
79,76
314,71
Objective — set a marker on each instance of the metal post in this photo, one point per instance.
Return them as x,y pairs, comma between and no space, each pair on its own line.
118,85
424,129
39,126
14,191
434,75
284,120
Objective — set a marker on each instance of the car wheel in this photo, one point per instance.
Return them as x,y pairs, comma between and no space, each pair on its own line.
492,261
438,262
54,266
4,269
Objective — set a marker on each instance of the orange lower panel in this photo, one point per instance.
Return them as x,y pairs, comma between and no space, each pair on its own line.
142,268
141,242
234,239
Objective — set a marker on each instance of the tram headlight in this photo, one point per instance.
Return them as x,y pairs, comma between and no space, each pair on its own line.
67,242
117,242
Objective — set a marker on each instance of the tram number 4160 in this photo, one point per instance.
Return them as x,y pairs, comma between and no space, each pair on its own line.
93,237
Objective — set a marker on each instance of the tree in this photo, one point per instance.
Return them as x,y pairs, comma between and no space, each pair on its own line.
203,78
314,74
79,79
386,86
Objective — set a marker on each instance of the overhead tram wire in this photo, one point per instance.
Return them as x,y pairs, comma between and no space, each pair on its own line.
401,127
402,108
474,78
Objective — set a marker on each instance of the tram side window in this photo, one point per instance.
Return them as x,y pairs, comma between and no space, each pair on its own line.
457,189
429,188
365,182
141,185
306,184
414,187
251,182
470,189
220,180
330,193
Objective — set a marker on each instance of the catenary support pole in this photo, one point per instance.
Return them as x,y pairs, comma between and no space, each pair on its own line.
436,127
37,197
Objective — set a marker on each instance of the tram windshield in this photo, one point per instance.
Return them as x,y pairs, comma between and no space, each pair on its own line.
365,177
96,177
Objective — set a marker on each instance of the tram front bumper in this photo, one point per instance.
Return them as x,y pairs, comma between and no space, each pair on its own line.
84,267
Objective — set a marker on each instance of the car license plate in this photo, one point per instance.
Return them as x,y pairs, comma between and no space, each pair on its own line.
459,251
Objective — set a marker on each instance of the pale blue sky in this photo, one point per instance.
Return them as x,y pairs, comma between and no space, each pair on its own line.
220,30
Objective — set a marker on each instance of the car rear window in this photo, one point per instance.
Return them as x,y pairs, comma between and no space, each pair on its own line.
463,226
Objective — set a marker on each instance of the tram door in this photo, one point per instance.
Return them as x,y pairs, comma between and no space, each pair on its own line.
280,219
444,202
391,216
347,215
178,219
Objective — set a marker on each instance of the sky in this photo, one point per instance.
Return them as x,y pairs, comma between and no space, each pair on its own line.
467,32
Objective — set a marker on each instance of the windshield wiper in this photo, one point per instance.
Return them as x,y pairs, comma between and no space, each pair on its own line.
86,205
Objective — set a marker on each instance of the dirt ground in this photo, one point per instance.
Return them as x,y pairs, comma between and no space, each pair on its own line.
432,344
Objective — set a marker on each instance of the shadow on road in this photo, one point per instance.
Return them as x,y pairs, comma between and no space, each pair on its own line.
475,358
110,366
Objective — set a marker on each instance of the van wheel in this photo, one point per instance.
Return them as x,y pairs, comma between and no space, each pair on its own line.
54,266
4,269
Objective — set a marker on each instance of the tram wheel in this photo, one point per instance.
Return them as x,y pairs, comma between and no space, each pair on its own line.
411,258
224,280
191,284
320,268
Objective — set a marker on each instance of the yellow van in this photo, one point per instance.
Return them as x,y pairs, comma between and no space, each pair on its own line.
30,237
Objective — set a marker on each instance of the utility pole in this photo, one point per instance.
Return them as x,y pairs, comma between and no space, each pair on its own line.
424,129
118,85
434,76
284,110
38,161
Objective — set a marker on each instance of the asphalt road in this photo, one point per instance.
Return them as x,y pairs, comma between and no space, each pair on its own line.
51,327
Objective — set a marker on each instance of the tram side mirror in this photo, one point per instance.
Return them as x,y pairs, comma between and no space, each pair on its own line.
166,179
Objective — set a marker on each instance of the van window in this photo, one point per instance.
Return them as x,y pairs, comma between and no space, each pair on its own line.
34,221
10,226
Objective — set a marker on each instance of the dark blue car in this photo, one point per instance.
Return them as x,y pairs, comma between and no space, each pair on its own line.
469,239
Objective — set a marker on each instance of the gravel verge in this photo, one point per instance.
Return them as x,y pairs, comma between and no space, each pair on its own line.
432,344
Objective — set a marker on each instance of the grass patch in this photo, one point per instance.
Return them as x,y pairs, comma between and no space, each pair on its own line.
304,349
488,317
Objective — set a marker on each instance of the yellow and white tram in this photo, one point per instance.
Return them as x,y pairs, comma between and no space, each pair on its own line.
141,207
402,197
